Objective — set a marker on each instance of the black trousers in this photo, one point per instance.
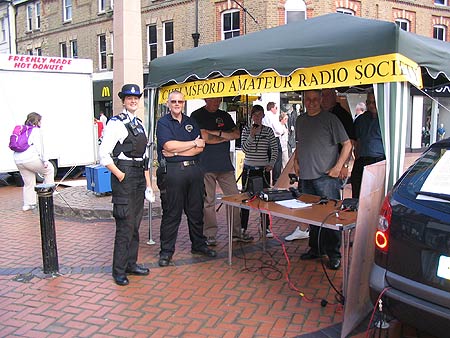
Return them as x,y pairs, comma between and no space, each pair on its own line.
278,166
246,174
128,208
181,189
357,172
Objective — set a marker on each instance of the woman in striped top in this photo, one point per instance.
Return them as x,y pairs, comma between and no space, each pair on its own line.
261,150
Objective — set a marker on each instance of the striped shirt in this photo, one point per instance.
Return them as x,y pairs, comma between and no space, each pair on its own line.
261,150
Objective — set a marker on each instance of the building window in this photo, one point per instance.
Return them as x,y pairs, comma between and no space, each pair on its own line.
63,49
295,10
38,51
111,55
440,2
102,51
231,25
29,51
29,18
105,5
440,32
345,11
74,49
152,52
403,24
3,29
168,38
37,9
67,10
101,6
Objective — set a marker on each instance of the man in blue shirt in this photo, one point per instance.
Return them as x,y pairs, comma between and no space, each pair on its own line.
369,147
180,179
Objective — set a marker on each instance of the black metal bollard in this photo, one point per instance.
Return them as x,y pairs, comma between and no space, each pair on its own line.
48,234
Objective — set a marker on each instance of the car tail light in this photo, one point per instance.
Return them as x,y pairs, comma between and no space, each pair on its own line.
384,222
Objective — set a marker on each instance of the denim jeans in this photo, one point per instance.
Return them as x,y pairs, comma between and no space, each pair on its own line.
322,186
330,240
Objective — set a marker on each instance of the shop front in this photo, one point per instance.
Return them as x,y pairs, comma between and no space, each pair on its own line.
103,100
430,115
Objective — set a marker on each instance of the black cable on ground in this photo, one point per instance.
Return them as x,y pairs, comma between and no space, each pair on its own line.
339,295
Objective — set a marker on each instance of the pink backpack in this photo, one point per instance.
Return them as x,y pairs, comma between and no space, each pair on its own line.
18,141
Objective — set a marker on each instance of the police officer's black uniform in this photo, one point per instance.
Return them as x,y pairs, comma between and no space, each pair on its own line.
125,144
180,182
128,195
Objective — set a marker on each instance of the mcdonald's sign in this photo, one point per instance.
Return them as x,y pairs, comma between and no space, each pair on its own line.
106,92
103,90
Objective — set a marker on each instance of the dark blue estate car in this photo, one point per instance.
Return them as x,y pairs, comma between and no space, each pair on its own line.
412,258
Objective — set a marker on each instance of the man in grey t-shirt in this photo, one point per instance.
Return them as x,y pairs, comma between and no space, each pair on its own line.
318,164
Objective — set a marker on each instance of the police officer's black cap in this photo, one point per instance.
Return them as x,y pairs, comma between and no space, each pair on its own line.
130,89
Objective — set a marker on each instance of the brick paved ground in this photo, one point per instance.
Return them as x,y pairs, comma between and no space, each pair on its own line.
195,297
258,296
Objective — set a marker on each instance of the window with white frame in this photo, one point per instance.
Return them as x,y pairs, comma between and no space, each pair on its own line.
440,32
63,49
110,56
345,11
403,24
168,38
2,29
67,10
231,24
295,10
105,5
152,51
38,51
102,52
37,10
74,49
29,17
440,2
101,6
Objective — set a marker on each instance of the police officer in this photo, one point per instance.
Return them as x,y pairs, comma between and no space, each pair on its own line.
180,179
123,152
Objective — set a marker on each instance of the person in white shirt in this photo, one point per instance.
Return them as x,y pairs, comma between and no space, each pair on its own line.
103,119
33,161
271,120
284,140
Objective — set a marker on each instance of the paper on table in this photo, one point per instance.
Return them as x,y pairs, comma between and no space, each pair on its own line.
293,204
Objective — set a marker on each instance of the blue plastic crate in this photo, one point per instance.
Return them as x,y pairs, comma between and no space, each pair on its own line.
98,178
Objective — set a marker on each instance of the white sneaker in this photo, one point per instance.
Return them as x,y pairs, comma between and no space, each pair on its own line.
29,207
297,234
269,234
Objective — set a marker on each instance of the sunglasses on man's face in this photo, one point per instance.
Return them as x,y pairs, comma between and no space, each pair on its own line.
176,101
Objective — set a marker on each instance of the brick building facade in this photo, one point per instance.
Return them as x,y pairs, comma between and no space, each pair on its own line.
88,21
84,28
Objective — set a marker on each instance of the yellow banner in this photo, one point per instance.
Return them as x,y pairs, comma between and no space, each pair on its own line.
377,69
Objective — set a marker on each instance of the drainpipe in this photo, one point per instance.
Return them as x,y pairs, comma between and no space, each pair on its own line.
196,35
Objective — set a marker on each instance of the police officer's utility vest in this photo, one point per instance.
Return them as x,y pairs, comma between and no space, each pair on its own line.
135,143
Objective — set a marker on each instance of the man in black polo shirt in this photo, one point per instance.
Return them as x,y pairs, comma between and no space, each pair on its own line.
218,129
180,179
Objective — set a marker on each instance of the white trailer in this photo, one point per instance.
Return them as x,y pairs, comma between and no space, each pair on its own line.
59,89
